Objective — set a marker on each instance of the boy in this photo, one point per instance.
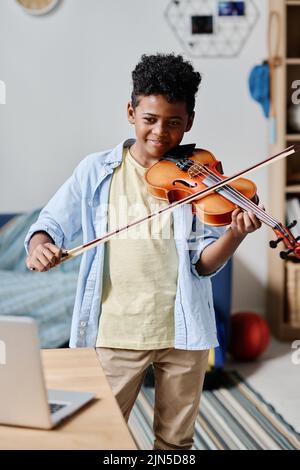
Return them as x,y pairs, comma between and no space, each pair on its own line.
145,299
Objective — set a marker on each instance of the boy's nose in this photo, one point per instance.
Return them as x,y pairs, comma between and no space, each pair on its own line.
160,130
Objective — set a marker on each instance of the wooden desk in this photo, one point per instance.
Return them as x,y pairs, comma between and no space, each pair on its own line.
100,425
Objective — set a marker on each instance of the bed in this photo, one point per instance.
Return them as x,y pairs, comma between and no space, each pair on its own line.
46,297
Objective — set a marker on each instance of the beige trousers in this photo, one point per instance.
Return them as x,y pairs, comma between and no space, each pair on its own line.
179,376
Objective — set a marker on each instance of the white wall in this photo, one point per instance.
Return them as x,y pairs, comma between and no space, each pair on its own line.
68,81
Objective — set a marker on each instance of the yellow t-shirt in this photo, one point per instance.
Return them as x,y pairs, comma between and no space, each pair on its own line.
140,267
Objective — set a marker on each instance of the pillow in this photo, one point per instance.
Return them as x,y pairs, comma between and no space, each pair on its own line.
12,251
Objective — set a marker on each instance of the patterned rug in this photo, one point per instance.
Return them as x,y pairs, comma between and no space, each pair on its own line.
231,417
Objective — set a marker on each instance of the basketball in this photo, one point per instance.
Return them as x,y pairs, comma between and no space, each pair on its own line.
249,337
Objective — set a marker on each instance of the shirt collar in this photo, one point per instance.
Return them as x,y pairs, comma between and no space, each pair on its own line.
116,155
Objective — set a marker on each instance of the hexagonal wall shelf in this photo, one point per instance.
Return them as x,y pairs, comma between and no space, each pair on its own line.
212,28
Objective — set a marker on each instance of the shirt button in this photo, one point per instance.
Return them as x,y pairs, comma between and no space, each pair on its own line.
90,203
82,323
81,332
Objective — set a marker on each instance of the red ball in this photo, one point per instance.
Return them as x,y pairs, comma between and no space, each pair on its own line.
250,336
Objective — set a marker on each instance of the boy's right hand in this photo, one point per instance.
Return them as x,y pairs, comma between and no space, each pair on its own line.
43,253
43,257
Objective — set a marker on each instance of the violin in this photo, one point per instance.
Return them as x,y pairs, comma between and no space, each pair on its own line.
173,178
190,175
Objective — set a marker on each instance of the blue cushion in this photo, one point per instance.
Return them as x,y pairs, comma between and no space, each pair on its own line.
221,284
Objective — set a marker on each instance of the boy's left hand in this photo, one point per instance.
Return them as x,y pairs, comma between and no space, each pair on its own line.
244,222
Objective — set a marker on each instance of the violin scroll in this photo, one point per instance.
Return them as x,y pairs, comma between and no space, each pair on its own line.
284,235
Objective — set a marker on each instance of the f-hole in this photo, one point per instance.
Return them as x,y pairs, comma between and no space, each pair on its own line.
185,183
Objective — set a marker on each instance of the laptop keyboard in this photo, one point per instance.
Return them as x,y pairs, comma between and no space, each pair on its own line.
55,407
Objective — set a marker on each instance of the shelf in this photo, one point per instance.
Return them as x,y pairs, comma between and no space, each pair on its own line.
285,178
292,137
292,188
293,36
292,61
288,332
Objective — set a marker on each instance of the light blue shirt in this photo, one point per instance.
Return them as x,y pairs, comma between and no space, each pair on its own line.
81,204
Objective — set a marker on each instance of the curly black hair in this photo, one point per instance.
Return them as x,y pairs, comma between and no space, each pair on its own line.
165,74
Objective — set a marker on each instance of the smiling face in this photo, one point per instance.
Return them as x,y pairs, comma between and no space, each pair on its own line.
159,126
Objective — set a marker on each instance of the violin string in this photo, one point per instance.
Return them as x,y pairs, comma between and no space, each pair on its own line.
229,189
247,204
240,197
244,202
263,216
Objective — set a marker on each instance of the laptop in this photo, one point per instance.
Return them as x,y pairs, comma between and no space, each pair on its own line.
24,400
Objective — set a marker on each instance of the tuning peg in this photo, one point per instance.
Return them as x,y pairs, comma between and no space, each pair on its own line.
285,254
292,224
274,243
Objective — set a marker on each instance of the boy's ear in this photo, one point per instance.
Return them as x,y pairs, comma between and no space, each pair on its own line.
130,113
190,122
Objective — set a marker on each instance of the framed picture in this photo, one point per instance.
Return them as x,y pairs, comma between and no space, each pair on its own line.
202,24
231,8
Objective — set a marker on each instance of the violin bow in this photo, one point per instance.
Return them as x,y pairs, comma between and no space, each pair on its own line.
69,254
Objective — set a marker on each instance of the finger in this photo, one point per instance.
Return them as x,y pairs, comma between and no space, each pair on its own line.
42,258
29,264
256,223
51,256
54,249
36,265
241,222
56,253
248,223
237,211
234,215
